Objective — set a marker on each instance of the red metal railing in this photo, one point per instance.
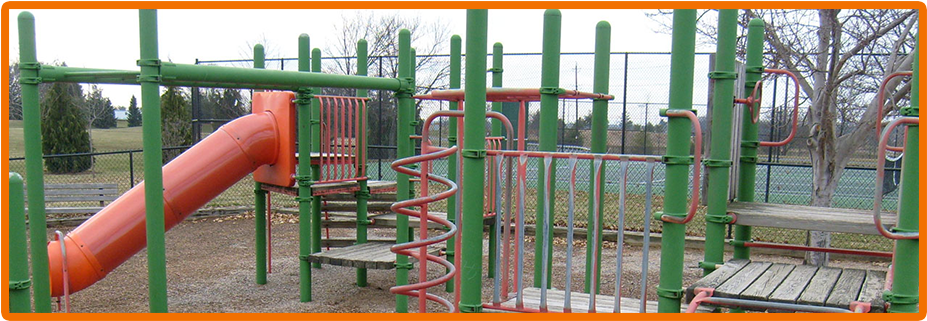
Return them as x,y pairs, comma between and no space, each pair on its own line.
754,101
880,176
882,105
344,138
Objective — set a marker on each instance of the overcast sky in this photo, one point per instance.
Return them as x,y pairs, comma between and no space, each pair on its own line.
109,38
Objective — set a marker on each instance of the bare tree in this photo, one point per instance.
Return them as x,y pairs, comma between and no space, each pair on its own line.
381,33
840,58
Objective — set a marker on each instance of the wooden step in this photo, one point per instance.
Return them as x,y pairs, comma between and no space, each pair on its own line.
373,255
389,220
579,302
349,241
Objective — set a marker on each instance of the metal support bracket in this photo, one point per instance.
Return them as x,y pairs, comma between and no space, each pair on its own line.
21,284
664,110
473,153
470,308
494,70
406,87
750,144
895,298
749,159
722,75
674,294
362,194
148,62
720,219
659,215
304,180
552,91
910,112
403,266
710,163
149,78
709,265
738,243
903,230
755,69
677,160
304,97
30,80
30,66
304,257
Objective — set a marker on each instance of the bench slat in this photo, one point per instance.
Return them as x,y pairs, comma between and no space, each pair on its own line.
810,218
81,186
86,198
108,191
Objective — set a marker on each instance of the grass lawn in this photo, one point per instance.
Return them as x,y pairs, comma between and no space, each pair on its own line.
104,140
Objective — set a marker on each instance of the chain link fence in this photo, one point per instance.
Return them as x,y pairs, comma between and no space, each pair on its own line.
640,84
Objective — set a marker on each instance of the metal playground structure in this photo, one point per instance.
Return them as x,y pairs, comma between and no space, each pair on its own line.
301,143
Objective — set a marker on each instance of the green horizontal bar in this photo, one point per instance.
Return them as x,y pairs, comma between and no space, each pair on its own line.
262,78
88,75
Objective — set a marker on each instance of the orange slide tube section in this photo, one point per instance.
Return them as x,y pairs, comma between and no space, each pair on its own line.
116,233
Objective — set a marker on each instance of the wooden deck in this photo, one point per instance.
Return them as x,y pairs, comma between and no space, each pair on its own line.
373,255
808,218
797,284
579,302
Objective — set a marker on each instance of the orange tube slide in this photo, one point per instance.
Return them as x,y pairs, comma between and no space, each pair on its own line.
116,233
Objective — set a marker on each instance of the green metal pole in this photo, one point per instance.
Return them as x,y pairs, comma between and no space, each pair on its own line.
496,130
363,194
19,254
474,153
719,162
749,134
151,138
547,142
904,294
403,150
305,174
316,141
452,141
603,35
677,161
32,138
260,206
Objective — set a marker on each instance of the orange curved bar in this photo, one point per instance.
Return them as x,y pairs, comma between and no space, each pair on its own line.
794,111
117,232
882,105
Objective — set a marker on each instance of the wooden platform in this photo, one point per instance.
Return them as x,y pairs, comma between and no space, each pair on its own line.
373,255
579,302
808,218
797,284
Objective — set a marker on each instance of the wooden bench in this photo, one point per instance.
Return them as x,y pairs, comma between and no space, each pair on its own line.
793,284
808,218
100,194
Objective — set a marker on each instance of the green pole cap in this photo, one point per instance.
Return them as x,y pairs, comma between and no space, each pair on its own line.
552,12
26,15
603,25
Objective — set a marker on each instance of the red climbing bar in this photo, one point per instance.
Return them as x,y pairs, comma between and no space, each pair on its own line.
880,176
794,110
697,177
882,105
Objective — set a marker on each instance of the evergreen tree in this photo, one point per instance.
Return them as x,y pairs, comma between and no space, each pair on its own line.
64,129
134,114
175,122
99,110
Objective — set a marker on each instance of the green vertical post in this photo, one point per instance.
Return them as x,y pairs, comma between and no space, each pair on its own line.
316,141
474,153
496,130
603,35
547,142
305,173
32,138
403,150
260,206
719,162
452,141
677,161
904,295
19,255
749,134
150,78
363,193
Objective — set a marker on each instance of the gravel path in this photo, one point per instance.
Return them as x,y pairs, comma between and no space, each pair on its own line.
210,266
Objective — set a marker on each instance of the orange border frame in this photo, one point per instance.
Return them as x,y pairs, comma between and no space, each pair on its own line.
418,5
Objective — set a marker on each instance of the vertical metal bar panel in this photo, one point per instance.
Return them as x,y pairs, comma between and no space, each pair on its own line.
648,216
622,200
498,231
568,289
597,220
520,228
545,235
